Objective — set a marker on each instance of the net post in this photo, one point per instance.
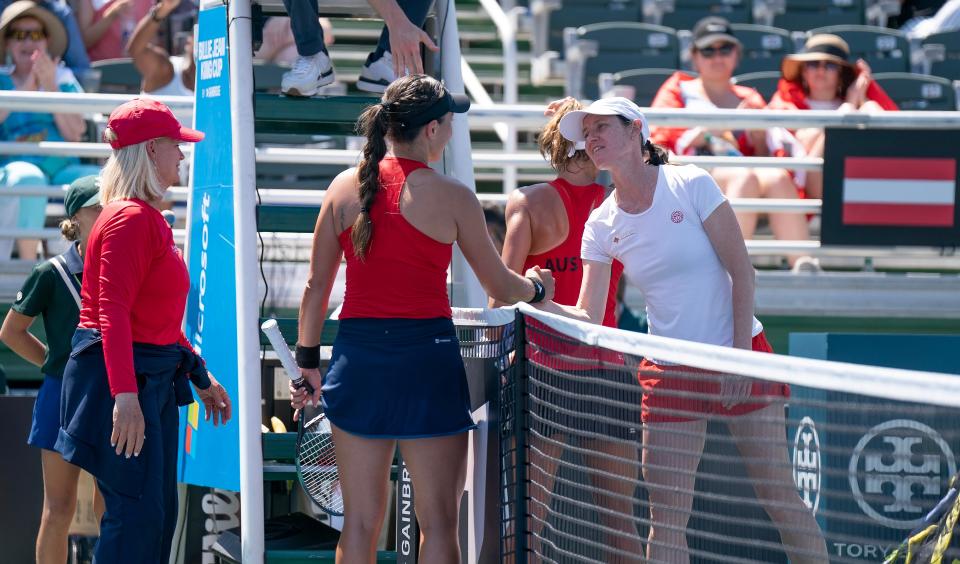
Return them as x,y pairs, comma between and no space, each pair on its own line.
519,435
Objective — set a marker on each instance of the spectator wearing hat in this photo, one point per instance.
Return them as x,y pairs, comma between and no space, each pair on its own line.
823,78
715,53
130,364
75,55
53,291
33,39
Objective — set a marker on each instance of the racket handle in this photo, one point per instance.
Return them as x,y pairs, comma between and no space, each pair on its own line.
302,383
272,331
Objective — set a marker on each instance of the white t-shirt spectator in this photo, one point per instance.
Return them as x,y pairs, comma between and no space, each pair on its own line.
667,255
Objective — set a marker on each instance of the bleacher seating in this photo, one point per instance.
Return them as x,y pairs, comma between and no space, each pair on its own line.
941,54
919,91
641,84
885,50
118,76
614,46
801,15
686,13
763,47
575,13
764,82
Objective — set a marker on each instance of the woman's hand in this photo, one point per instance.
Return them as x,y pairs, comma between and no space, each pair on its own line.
128,425
552,107
299,397
216,402
734,389
44,70
405,40
857,93
546,278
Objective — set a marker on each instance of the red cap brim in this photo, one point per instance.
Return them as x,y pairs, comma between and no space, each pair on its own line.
190,135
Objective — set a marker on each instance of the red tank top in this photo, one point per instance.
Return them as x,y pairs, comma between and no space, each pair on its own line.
564,259
404,274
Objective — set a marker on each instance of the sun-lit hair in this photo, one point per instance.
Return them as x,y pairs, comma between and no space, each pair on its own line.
553,146
129,173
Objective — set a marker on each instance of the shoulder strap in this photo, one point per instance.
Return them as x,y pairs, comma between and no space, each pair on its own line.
58,263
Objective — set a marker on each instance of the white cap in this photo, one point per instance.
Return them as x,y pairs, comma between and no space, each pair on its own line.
571,125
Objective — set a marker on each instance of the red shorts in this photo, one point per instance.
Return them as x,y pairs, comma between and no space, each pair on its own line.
677,398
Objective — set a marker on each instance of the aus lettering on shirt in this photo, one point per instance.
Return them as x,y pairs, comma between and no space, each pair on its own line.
562,264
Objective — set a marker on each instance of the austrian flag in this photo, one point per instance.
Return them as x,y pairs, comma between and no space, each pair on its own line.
899,192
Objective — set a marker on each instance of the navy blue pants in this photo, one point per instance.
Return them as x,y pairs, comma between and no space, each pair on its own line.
140,529
308,35
140,493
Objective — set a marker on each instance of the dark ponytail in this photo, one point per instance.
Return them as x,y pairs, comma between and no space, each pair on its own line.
395,117
372,125
656,155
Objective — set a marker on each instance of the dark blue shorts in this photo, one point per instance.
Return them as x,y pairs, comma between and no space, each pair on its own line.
397,378
46,414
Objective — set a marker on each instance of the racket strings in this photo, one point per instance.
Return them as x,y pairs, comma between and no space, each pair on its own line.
318,470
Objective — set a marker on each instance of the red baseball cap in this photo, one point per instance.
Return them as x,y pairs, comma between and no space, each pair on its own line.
143,119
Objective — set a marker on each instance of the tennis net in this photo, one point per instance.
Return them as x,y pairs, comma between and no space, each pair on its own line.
607,435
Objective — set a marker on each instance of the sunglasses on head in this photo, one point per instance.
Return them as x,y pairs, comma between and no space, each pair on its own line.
827,65
24,34
723,50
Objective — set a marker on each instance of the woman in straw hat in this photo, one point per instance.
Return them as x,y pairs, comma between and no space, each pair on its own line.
53,291
33,39
130,364
823,78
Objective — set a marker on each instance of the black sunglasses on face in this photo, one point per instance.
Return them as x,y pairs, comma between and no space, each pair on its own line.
828,65
24,34
724,50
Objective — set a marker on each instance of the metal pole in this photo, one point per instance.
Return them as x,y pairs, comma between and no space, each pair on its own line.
248,343
520,437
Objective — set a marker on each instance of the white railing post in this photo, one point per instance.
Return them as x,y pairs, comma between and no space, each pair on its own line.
253,547
507,30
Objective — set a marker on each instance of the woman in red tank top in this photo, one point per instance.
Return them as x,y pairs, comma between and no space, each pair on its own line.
545,228
396,376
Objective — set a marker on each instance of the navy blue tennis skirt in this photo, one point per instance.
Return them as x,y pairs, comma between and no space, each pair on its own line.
46,414
398,379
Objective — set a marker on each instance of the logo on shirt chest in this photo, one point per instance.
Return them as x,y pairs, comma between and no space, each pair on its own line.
676,216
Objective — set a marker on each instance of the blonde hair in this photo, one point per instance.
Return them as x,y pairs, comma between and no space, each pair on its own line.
554,146
70,229
129,173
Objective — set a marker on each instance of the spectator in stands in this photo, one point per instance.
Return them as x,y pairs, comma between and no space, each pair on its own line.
680,244
75,53
33,38
108,25
397,53
947,18
163,74
715,53
53,291
130,362
396,375
496,224
544,228
278,46
823,78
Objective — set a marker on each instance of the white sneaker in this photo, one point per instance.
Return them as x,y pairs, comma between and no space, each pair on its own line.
308,75
376,76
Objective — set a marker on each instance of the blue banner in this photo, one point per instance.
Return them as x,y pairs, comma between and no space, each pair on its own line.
210,456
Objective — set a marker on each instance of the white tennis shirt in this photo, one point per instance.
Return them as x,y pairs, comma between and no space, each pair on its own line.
667,255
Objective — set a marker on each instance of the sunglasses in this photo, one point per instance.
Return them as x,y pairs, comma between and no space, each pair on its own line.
24,34
724,50
827,65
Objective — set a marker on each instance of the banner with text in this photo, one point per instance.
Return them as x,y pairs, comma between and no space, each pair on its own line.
209,456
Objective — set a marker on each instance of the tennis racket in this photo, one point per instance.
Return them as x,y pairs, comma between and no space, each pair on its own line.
316,458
